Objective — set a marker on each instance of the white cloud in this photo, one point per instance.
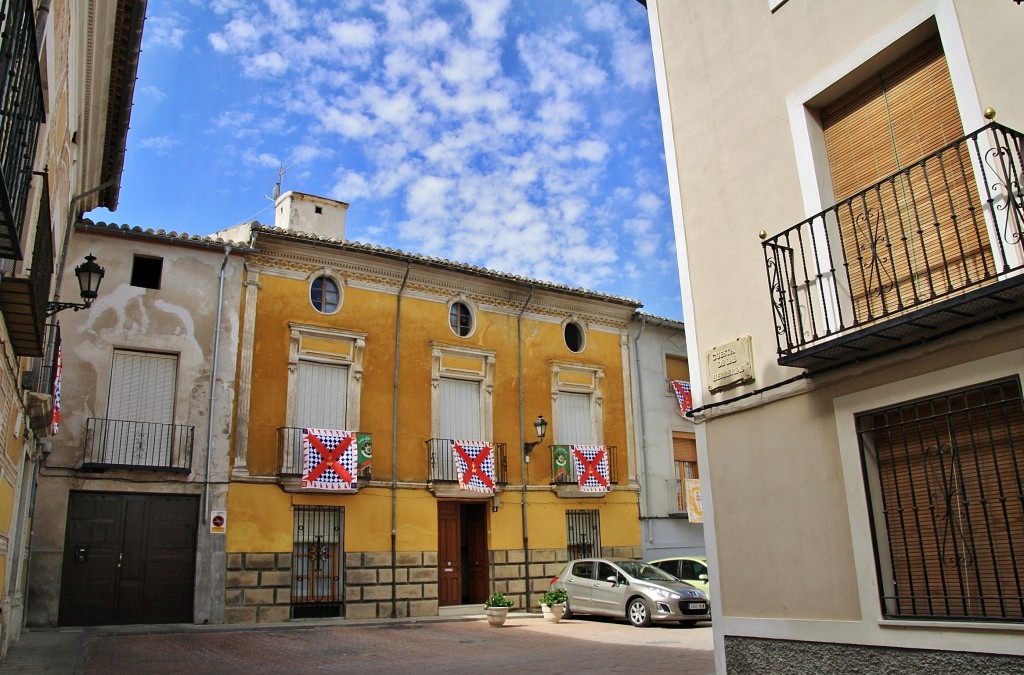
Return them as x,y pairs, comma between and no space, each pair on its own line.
161,144
360,34
238,35
164,31
592,151
487,18
350,187
262,160
648,203
428,197
267,64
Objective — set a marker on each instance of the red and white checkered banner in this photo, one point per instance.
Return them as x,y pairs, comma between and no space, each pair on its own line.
591,464
329,459
684,395
475,462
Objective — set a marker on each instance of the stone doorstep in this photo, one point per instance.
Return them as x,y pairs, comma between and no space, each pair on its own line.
461,610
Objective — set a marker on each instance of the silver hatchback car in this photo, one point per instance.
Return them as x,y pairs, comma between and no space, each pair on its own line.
640,592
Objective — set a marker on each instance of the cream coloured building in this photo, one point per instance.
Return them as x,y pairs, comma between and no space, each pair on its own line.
849,225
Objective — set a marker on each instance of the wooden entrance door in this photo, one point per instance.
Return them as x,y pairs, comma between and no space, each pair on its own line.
462,570
128,558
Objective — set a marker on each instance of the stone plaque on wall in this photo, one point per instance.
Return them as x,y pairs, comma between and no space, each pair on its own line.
730,364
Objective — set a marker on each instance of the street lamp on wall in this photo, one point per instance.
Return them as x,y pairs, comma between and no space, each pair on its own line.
89,277
541,426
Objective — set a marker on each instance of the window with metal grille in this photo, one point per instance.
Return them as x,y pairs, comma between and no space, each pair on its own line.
316,562
944,479
583,533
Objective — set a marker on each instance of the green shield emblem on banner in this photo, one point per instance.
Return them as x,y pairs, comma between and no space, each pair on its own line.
560,462
364,444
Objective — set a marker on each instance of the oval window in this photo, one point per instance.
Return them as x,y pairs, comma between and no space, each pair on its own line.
460,319
323,293
574,337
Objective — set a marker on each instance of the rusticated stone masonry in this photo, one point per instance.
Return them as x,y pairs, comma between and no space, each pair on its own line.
368,584
258,587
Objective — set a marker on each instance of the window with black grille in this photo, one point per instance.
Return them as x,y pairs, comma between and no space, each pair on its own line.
316,562
944,478
583,533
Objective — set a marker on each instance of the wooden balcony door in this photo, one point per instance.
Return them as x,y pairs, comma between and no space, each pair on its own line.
462,570
917,236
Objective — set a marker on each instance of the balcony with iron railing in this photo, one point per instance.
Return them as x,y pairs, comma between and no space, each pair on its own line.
565,474
292,449
125,444
24,297
934,248
443,477
21,113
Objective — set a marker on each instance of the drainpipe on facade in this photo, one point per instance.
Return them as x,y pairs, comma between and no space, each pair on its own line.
213,386
642,455
394,449
522,445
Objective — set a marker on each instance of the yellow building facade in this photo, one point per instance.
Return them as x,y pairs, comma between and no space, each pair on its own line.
424,361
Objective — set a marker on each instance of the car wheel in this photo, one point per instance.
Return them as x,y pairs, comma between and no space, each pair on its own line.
566,613
638,613
689,623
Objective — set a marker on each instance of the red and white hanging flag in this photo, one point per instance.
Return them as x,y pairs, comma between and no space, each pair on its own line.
329,459
56,393
591,464
475,463
684,395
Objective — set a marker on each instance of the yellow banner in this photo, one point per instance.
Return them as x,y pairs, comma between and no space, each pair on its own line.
694,507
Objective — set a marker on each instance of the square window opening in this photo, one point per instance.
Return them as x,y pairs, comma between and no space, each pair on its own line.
147,272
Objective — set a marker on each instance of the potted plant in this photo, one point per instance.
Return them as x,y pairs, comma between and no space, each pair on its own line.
496,609
552,604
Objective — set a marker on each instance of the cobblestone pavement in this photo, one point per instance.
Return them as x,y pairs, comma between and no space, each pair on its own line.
524,643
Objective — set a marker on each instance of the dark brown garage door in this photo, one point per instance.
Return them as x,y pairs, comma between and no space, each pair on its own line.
128,558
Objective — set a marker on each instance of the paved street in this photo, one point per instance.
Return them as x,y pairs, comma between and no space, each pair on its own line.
525,643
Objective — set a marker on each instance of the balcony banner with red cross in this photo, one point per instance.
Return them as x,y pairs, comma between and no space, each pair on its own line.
329,459
591,464
684,395
474,460
56,393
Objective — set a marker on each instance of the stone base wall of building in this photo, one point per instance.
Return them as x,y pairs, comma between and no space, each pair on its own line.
369,581
759,655
509,571
258,587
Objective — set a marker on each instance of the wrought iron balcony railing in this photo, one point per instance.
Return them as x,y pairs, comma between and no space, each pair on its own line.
936,246
21,113
23,296
563,468
291,452
445,468
138,445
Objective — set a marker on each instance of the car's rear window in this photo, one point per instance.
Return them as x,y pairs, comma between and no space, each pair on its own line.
584,570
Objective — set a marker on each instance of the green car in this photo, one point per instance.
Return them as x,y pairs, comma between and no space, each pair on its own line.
691,569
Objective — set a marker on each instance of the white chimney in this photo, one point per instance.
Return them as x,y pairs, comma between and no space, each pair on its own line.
301,212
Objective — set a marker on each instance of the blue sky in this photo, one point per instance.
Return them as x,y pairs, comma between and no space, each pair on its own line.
521,136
